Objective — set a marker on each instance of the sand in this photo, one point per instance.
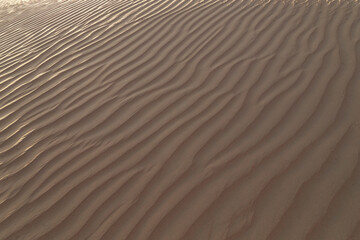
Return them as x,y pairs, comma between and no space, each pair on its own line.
180,119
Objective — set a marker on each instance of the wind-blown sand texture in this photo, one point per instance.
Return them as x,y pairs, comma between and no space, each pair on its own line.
165,120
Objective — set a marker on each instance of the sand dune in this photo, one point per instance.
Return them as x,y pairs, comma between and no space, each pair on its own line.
165,119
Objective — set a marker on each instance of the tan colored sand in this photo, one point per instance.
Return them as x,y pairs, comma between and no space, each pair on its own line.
166,120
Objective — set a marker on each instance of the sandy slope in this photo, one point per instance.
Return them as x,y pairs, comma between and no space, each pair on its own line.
165,119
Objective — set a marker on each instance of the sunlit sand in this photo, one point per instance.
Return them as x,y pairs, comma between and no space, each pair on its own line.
167,120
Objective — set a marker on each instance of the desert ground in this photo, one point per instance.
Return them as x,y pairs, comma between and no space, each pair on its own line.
180,120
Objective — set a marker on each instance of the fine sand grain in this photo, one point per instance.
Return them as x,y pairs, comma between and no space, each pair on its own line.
180,119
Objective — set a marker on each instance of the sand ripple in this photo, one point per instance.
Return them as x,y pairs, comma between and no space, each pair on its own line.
183,119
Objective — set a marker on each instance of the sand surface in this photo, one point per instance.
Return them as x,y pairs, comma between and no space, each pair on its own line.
180,119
